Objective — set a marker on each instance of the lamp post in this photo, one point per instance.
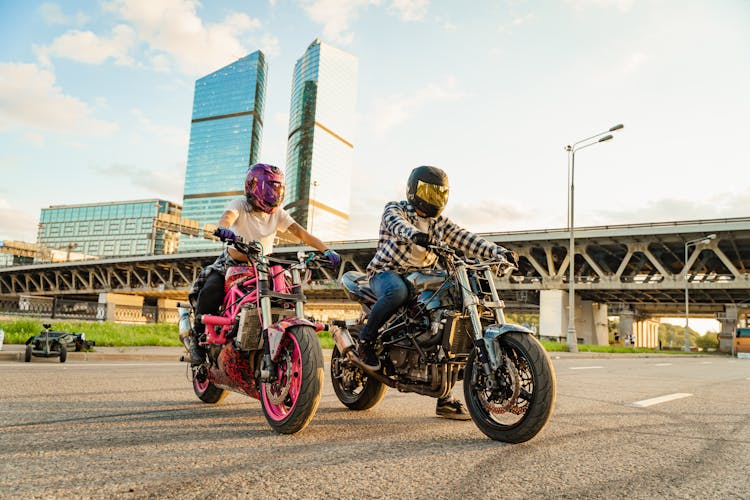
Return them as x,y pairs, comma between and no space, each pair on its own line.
698,241
571,338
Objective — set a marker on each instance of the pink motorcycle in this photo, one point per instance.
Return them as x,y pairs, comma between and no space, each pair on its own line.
260,344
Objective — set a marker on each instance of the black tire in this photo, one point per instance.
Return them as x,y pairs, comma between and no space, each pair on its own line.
63,353
352,386
207,391
27,354
522,408
290,402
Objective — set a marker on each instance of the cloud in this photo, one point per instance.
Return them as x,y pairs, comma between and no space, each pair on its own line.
53,14
29,98
173,27
487,216
515,23
409,10
621,5
336,16
166,183
718,206
633,62
16,224
178,136
392,111
89,48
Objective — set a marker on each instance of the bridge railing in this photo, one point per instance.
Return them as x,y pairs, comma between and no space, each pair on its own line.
53,308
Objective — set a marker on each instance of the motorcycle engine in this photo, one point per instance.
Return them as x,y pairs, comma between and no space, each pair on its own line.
406,363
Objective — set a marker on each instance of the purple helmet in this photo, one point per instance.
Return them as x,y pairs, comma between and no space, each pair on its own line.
264,187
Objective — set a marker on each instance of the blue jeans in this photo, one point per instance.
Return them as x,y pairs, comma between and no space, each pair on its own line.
392,292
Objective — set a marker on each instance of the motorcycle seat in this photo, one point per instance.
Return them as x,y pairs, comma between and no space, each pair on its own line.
358,284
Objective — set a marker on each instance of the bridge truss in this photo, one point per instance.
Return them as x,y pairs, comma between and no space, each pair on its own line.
638,266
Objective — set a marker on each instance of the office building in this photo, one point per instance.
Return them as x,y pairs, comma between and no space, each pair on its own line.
114,229
320,148
225,136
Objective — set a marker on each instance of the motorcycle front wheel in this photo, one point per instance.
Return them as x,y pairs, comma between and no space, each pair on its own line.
521,403
289,402
352,386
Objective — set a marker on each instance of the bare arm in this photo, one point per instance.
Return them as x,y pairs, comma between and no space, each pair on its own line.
227,218
306,237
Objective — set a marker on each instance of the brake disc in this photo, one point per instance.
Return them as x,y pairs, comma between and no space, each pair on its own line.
278,390
512,380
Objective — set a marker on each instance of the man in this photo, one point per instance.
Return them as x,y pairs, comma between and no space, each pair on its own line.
256,217
406,229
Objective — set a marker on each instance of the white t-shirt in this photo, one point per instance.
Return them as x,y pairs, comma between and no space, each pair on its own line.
418,254
254,225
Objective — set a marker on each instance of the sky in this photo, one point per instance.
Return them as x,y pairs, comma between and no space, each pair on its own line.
96,99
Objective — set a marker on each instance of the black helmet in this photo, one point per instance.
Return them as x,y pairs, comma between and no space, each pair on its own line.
427,190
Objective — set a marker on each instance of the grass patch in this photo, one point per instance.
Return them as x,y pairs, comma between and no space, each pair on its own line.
161,334
104,334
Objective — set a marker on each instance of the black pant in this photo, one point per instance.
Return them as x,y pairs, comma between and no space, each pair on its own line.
209,299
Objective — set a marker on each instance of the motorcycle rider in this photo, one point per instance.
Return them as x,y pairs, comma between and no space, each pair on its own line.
406,229
256,217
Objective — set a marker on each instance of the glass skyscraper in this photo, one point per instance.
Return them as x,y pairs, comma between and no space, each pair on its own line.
320,149
115,229
225,137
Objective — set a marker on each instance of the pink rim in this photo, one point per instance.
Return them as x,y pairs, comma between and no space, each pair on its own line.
200,386
279,412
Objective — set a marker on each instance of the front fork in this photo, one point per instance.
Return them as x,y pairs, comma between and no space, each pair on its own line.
485,347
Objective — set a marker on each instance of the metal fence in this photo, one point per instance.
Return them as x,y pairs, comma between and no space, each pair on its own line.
54,308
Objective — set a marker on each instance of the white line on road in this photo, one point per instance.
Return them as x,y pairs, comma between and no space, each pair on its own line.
663,364
660,399
585,367
706,362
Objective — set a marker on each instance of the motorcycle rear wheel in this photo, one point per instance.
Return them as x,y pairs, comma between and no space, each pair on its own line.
207,391
352,386
289,403
521,407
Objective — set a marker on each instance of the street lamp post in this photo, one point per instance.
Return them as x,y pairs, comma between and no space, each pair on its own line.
698,241
571,338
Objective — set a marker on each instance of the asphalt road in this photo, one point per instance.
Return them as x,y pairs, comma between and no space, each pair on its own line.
135,429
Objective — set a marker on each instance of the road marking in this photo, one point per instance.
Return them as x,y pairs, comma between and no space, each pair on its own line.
585,367
663,364
706,362
660,399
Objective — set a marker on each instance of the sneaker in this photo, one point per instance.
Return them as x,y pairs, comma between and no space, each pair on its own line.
366,353
453,409
197,353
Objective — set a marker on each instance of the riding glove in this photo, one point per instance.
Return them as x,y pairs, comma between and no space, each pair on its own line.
333,257
420,239
225,234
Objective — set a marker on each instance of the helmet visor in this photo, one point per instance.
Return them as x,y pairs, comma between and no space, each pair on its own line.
432,193
273,193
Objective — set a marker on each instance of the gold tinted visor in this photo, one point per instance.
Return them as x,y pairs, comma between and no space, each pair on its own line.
432,194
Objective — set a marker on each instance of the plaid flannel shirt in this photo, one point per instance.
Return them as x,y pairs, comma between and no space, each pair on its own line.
397,228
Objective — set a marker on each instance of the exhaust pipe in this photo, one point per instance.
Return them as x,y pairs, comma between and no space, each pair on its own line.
343,339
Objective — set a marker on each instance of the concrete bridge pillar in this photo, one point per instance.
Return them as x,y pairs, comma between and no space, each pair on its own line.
591,318
627,319
728,322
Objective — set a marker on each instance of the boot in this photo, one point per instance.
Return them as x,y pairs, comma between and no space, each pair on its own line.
366,353
197,352
452,408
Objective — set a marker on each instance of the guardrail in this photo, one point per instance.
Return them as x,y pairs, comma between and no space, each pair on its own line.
54,308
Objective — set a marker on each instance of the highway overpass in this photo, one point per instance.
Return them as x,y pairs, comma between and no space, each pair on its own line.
635,269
